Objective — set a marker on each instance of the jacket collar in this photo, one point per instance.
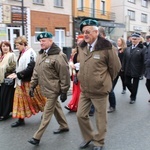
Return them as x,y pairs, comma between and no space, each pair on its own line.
100,44
54,49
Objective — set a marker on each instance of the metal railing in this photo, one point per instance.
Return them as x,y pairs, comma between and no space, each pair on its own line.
95,13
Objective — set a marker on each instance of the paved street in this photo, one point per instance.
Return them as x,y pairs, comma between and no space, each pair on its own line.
128,128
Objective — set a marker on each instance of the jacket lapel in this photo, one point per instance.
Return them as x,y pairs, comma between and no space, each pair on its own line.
87,53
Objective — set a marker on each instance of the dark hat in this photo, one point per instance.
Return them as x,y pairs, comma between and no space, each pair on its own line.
147,36
44,35
135,34
88,22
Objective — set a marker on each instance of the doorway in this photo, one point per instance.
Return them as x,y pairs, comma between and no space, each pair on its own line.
12,34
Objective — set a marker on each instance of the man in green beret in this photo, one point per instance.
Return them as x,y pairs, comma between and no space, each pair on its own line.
51,73
99,65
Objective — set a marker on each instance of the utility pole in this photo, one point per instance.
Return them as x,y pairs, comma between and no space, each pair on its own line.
22,8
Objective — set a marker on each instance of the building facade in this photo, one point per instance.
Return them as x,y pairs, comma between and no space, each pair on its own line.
36,16
134,14
99,10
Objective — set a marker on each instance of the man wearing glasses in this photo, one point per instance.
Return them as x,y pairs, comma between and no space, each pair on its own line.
133,64
99,65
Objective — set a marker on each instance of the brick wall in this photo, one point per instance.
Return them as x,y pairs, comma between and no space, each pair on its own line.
49,21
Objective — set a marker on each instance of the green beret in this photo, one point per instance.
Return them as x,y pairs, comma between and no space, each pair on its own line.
88,22
44,35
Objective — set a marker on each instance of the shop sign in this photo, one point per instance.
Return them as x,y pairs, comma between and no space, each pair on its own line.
111,24
17,14
137,28
6,14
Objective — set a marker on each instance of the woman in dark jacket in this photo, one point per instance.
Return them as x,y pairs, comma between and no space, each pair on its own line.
121,45
7,66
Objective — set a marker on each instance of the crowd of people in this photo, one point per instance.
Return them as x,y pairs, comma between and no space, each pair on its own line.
34,82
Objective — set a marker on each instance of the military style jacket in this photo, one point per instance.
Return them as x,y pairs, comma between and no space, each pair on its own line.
133,61
51,72
98,68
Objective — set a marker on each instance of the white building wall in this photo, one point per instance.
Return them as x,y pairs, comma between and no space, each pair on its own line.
120,8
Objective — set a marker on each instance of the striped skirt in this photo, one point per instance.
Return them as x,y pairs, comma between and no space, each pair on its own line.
25,106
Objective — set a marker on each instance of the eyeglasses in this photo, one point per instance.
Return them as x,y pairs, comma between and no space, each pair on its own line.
87,32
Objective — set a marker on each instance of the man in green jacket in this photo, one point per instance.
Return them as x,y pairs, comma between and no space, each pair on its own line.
99,65
51,73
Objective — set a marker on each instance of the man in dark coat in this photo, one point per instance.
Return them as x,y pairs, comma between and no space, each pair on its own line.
147,42
147,68
133,65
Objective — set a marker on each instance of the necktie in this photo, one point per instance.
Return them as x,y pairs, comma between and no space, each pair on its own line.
133,46
90,48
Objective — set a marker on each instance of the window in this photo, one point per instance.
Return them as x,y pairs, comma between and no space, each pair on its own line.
131,14
144,18
38,1
39,30
80,4
102,7
60,37
58,3
144,3
131,1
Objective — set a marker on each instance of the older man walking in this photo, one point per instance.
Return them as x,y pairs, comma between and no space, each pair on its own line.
51,73
99,65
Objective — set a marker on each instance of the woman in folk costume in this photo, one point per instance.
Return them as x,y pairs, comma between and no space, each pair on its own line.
74,65
25,106
7,66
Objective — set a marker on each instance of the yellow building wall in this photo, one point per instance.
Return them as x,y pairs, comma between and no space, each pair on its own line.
86,12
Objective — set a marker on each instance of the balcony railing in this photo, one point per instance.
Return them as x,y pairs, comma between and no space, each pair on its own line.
95,13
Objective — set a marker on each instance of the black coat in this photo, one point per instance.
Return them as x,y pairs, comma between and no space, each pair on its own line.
147,62
133,62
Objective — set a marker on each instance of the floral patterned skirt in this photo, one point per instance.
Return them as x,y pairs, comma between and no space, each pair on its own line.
24,105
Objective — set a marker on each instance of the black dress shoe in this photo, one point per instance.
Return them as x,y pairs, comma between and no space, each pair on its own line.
58,131
84,144
111,109
34,141
18,123
67,108
132,101
97,148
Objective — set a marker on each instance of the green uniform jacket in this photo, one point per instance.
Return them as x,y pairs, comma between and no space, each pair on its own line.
51,72
98,68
